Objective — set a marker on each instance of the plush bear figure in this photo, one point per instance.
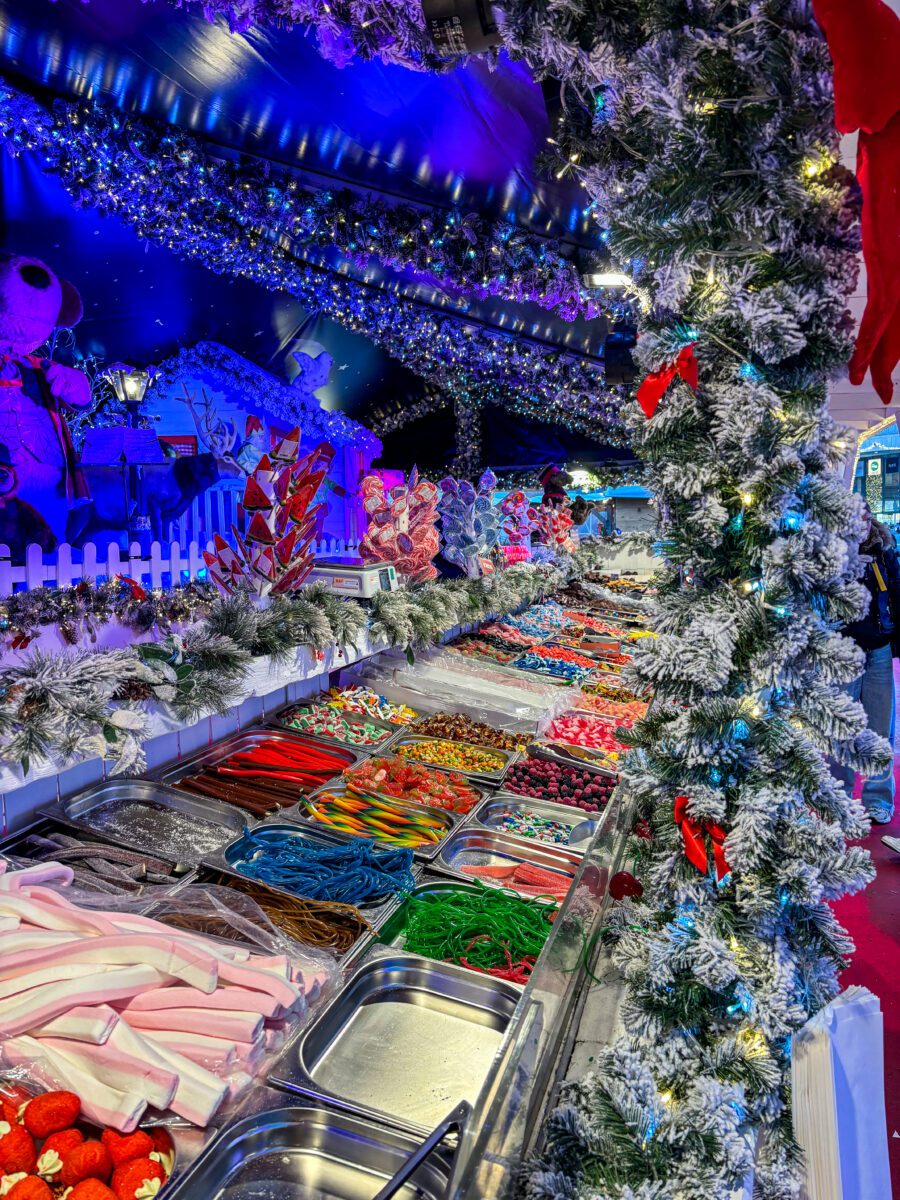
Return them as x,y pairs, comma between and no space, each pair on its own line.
554,480
36,392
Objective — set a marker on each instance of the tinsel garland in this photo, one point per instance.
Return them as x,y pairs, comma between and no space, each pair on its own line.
59,707
709,153
158,184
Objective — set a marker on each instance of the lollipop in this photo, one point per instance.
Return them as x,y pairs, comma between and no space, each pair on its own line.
470,522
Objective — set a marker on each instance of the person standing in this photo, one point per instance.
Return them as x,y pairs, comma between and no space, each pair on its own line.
876,633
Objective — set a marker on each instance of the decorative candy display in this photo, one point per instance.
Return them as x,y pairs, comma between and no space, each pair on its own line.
323,721
45,1152
590,733
413,783
525,878
553,666
275,555
365,814
469,522
520,518
366,701
349,873
559,784
554,527
401,525
522,822
490,931
460,728
271,774
191,1019
455,756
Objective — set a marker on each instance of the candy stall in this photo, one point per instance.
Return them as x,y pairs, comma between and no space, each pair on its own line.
341,949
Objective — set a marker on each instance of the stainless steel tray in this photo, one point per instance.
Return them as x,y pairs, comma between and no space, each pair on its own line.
490,816
422,739
393,932
141,813
300,1153
484,848
278,721
16,845
173,773
403,1042
561,753
303,813
228,860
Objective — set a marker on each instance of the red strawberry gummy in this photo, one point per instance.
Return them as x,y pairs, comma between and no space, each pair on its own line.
123,1148
55,1149
51,1112
137,1176
91,1189
17,1152
29,1188
90,1160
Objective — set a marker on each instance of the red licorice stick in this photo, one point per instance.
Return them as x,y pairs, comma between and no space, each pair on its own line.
288,752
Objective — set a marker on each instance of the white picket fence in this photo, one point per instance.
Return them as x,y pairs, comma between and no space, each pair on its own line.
164,566
213,511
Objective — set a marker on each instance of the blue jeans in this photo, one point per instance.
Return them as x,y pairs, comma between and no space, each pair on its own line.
875,689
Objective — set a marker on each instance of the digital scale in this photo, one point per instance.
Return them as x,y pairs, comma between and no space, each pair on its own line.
349,576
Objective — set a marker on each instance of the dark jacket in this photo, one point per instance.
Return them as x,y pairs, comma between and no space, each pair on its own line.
881,624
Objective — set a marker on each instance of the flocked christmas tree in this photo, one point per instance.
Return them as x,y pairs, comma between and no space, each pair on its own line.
703,133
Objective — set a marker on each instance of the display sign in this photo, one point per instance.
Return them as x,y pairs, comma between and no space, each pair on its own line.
874,466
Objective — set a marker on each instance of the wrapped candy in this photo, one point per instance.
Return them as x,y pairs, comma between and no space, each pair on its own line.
554,527
520,519
275,555
470,521
401,525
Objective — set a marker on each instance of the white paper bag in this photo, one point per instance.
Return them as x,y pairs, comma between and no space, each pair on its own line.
837,1072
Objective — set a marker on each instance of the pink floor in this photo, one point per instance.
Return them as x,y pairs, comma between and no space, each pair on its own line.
873,919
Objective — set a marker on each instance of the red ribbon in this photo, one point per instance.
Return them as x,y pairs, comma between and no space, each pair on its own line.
137,592
694,834
656,384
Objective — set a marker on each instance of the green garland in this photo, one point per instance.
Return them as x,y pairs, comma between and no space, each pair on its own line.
59,707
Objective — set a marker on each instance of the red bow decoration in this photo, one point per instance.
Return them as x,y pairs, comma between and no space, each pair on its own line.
655,385
137,592
694,835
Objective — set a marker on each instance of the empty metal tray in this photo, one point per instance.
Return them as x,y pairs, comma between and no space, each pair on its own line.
305,812
420,739
404,1041
301,1153
229,859
279,720
141,813
490,815
472,846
